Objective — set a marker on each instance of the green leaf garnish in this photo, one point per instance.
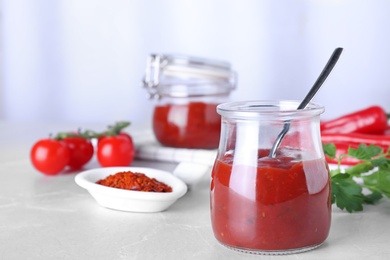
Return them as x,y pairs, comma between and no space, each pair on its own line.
346,193
364,152
374,171
329,150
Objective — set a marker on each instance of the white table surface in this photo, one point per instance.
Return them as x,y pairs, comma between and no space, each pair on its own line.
45,217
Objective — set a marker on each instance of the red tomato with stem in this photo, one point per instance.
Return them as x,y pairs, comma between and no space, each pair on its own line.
116,150
81,151
50,156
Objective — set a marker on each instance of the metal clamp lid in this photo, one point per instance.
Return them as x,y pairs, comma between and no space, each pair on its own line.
184,68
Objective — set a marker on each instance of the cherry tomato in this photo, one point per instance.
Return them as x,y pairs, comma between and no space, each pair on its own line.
115,150
81,151
50,156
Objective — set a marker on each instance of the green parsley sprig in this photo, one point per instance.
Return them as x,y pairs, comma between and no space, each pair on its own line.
365,183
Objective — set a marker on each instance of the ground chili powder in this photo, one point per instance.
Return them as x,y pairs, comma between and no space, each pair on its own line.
134,181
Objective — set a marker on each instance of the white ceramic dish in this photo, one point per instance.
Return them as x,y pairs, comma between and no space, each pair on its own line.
127,200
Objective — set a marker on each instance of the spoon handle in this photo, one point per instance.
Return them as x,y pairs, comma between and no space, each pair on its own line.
322,77
314,89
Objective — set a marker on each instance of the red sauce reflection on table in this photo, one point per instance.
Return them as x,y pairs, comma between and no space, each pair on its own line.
192,125
280,205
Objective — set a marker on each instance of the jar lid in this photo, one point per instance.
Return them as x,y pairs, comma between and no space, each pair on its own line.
183,76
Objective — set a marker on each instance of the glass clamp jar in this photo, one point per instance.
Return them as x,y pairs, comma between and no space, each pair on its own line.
187,91
266,205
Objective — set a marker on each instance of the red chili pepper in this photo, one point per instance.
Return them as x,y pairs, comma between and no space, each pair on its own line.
382,141
353,140
372,120
387,131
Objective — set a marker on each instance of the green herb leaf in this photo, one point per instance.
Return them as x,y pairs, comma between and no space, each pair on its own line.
374,171
381,161
359,169
378,181
334,172
329,150
346,193
364,152
373,198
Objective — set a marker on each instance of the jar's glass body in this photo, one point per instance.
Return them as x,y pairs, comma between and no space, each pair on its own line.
270,205
187,91
188,123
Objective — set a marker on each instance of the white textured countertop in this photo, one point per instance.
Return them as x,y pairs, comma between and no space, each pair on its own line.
52,218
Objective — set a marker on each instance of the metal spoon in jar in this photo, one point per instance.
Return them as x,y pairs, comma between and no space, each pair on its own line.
321,79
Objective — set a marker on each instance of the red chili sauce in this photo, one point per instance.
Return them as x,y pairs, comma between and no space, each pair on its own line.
192,125
280,205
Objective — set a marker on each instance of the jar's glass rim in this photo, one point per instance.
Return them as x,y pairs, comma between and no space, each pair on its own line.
270,109
196,61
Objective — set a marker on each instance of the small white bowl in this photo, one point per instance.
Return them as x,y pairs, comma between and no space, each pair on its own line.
128,200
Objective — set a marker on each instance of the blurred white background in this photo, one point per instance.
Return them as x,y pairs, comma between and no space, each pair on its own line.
82,61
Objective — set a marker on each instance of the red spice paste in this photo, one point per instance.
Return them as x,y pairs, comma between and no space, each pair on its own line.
276,206
192,125
134,181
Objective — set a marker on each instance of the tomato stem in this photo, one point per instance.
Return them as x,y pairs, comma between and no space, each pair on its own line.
117,128
62,135
112,130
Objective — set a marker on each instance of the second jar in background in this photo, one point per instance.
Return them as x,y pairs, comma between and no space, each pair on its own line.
187,91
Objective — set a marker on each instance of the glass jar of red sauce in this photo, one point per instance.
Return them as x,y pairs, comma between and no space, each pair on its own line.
270,205
187,90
